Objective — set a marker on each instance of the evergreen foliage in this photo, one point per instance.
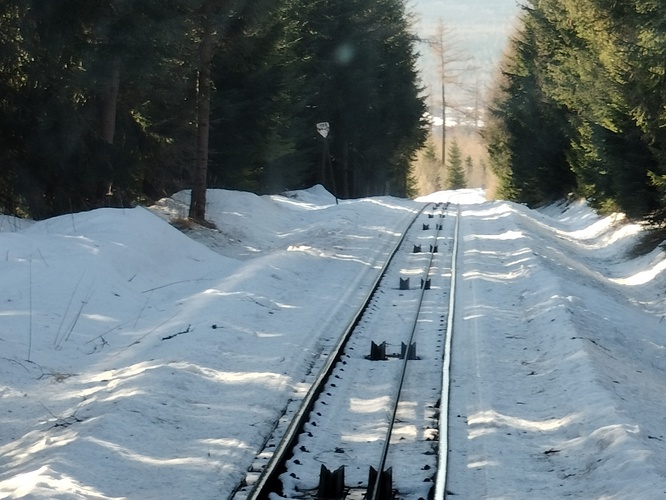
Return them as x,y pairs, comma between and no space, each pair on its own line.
98,100
580,106
428,169
354,66
454,164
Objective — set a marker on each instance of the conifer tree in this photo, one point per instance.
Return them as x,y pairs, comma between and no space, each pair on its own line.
454,164
103,107
219,26
527,132
579,105
354,66
77,116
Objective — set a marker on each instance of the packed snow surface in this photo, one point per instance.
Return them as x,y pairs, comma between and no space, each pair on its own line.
140,361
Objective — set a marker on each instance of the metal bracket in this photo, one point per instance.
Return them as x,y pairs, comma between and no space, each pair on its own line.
331,483
377,352
384,481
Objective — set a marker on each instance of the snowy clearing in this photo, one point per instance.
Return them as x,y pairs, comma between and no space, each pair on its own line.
141,362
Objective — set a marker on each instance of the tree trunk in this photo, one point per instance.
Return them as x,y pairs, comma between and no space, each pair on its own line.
198,198
324,162
107,125
346,191
443,118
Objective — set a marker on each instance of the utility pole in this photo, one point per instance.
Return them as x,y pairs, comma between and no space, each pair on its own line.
323,129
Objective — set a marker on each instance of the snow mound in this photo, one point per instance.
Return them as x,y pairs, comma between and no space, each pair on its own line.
462,196
315,197
131,349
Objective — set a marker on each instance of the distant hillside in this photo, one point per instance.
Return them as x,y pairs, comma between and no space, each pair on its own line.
481,28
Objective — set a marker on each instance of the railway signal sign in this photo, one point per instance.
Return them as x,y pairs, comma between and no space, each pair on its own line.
323,128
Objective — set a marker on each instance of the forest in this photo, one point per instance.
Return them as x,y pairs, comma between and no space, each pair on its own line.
579,106
117,102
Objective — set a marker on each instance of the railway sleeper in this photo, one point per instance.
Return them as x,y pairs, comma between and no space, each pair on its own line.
378,352
404,282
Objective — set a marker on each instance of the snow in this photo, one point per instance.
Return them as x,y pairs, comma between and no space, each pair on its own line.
141,361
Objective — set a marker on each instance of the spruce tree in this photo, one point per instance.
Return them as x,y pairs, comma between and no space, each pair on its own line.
454,164
528,131
103,108
579,106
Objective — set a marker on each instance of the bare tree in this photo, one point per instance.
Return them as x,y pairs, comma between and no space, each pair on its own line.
110,102
452,62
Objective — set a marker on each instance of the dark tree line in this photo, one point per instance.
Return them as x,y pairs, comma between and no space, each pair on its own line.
580,106
110,102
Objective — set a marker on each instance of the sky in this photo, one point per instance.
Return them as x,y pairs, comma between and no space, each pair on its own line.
138,361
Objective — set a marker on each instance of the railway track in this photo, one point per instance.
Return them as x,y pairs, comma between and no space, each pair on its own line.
373,422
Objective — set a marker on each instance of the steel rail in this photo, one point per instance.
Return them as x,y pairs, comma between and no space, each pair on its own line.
375,493
269,474
443,449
